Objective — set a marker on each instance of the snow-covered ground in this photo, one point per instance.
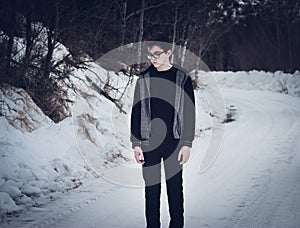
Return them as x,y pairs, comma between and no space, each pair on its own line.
253,183
50,173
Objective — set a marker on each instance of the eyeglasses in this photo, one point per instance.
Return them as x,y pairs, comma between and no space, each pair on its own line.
155,55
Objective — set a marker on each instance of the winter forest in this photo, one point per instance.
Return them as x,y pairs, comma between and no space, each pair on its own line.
228,35
65,155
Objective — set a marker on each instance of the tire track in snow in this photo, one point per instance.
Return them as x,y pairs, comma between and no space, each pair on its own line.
104,188
277,204
89,193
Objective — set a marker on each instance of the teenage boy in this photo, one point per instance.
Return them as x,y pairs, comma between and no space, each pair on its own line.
163,127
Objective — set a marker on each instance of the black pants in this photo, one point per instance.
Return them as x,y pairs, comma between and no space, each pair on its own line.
168,151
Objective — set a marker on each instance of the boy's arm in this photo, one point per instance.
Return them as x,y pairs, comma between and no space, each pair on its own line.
135,129
188,114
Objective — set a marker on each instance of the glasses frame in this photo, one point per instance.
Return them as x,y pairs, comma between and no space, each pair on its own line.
155,55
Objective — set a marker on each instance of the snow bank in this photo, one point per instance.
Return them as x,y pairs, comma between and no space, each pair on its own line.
37,157
34,166
278,82
40,159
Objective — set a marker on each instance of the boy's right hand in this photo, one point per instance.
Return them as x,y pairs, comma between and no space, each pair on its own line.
138,154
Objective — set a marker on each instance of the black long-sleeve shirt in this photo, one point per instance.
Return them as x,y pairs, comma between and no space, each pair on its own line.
162,90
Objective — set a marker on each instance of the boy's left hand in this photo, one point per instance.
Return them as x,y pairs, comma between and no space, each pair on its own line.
184,154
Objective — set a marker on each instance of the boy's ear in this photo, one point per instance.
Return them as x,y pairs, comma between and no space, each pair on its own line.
169,53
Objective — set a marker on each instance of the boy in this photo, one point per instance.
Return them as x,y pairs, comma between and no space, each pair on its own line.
162,127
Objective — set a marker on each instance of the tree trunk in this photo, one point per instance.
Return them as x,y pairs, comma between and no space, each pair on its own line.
29,41
289,38
141,32
11,35
199,59
124,23
174,33
278,36
183,53
52,40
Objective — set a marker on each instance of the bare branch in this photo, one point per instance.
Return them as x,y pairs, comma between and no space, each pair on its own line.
146,8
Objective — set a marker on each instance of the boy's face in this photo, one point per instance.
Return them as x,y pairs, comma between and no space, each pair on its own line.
159,57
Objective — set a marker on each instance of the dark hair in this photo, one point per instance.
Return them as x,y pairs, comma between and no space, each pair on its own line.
160,39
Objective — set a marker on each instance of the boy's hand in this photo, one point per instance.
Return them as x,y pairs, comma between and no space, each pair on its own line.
138,154
184,154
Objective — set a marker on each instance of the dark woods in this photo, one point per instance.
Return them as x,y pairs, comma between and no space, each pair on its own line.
226,34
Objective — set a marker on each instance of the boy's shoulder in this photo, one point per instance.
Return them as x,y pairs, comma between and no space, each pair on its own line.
143,73
180,69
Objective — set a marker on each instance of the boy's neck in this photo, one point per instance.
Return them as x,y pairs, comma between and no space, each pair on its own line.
164,67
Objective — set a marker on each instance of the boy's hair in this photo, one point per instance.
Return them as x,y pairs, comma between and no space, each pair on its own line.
160,39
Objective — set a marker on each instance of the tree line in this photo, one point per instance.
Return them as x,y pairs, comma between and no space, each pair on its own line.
226,34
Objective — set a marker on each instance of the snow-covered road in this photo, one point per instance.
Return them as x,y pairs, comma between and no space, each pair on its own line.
255,181
267,160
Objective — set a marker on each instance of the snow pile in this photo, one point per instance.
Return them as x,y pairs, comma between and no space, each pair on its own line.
40,159
6,203
19,109
259,80
35,166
